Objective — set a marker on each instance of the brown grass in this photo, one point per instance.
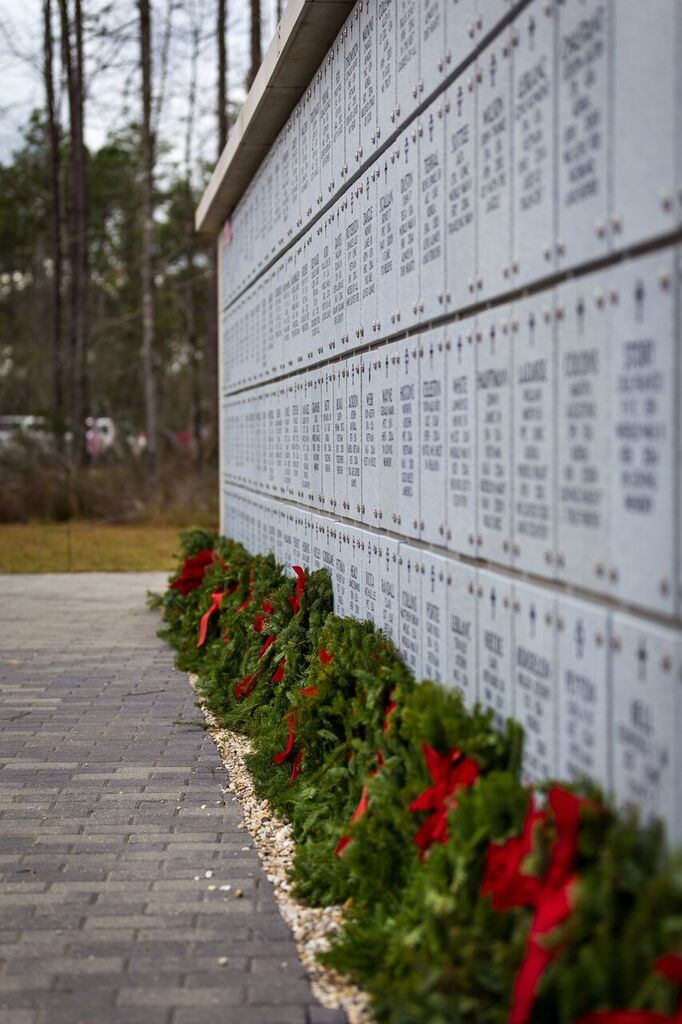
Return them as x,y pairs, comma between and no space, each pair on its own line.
86,547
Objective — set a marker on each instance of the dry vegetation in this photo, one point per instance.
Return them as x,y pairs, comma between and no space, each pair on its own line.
83,546
101,518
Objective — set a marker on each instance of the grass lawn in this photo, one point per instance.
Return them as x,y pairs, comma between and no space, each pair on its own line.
86,547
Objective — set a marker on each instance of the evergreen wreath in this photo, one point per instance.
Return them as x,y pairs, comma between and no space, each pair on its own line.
469,897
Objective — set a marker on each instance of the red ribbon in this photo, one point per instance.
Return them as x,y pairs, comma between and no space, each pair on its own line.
262,617
296,767
360,811
279,671
450,773
285,754
217,599
391,707
670,966
265,647
309,691
246,686
295,601
342,845
325,657
551,896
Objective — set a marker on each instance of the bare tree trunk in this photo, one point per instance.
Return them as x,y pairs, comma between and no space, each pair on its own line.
163,67
190,247
56,199
255,43
72,48
222,75
223,129
194,346
147,269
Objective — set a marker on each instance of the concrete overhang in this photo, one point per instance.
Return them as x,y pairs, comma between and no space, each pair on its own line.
303,37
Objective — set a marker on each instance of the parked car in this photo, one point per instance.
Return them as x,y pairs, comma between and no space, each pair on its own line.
16,428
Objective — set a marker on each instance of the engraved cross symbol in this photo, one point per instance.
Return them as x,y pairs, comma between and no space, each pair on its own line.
642,659
531,328
580,311
532,615
385,172
407,146
531,32
492,339
431,125
459,350
640,295
493,69
460,100
493,602
579,639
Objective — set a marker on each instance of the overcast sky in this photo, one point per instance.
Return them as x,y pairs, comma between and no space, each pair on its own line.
114,92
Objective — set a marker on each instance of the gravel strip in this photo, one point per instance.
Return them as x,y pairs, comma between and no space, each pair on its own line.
311,926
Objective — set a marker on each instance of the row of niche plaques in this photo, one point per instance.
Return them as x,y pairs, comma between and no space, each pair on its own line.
538,435
498,194
389,56
598,693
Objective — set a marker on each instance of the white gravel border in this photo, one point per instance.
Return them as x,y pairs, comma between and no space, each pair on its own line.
311,926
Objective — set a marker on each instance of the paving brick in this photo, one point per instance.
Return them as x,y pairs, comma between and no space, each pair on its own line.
272,989
17,1016
244,1015
174,997
108,811
322,1015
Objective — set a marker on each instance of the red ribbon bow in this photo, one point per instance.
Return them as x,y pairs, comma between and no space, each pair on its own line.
450,773
285,754
670,966
309,691
551,896
217,599
325,657
193,571
295,601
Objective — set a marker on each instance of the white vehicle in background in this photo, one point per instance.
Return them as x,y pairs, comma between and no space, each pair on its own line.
15,429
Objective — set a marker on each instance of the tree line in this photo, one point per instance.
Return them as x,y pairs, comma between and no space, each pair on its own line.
107,301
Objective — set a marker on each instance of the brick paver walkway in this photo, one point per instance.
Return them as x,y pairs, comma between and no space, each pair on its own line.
109,809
